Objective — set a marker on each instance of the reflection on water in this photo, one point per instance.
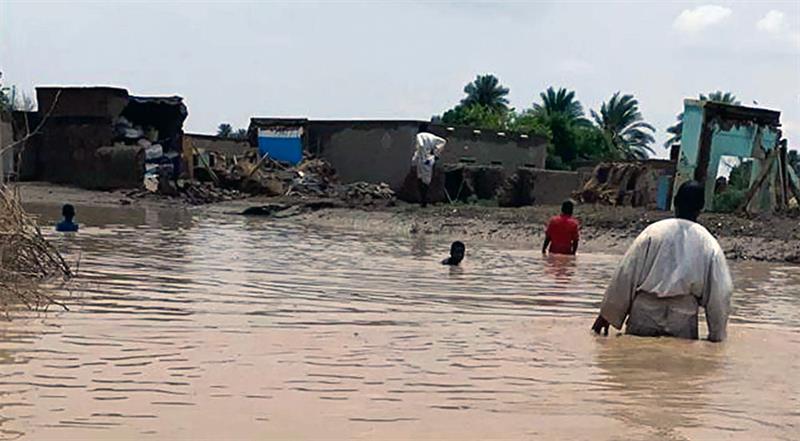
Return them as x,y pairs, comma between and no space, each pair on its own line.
223,327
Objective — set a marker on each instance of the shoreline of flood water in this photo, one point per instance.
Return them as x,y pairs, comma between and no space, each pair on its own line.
604,229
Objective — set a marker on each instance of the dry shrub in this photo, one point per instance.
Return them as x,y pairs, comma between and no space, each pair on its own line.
28,262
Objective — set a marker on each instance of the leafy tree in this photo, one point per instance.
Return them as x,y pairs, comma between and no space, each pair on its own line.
676,130
563,115
739,178
476,115
560,102
591,144
224,130
624,128
528,123
487,91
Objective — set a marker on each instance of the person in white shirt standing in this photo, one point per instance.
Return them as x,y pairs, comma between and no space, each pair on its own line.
427,149
673,267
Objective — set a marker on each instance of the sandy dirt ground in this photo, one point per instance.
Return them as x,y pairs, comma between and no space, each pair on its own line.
604,229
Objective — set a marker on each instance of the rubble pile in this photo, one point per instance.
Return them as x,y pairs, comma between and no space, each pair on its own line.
314,177
364,194
267,177
193,193
200,194
617,184
225,178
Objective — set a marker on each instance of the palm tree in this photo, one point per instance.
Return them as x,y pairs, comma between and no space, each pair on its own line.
718,97
562,102
623,125
486,91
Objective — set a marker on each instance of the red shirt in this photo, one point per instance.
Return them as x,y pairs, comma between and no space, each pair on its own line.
562,231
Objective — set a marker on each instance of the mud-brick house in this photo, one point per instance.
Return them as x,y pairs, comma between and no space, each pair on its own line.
380,150
102,137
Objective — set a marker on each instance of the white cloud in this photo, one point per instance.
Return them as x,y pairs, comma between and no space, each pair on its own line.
775,24
701,17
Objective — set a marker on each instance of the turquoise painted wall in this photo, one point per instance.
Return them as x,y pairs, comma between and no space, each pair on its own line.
740,141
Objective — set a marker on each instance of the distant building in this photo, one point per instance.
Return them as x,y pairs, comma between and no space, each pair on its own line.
380,150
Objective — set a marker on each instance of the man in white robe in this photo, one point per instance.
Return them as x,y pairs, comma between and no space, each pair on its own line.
673,267
427,149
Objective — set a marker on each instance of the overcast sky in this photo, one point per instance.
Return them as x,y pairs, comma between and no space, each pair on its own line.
407,60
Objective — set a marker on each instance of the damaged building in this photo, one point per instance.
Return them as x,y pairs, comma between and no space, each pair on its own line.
104,138
380,151
714,131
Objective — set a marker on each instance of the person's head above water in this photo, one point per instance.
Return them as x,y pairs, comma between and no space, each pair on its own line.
567,207
68,211
457,251
690,200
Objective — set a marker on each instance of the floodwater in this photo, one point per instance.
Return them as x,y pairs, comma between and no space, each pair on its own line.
221,327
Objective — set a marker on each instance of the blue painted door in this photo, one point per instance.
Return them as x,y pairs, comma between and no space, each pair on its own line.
281,145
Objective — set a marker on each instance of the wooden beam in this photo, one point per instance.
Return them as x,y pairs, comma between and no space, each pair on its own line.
760,181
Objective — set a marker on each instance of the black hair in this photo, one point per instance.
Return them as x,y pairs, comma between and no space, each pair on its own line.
68,211
457,245
424,127
568,207
690,199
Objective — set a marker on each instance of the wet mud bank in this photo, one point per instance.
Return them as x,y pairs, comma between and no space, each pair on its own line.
604,228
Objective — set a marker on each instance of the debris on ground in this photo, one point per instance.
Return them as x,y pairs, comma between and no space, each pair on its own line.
193,193
27,260
364,194
266,177
633,183
279,211
314,178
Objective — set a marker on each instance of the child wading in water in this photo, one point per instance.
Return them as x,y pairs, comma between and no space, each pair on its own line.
457,251
67,225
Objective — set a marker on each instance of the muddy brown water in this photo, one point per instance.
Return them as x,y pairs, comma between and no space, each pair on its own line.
218,327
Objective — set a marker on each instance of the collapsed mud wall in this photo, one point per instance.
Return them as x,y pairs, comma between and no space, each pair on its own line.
82,129
633,183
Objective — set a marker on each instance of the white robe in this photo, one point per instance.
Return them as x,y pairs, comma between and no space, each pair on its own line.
427,147
673,267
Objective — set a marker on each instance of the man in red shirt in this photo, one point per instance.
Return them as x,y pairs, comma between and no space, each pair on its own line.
562,235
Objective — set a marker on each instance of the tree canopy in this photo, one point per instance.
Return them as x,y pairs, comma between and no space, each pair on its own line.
486,91
624,127
618,130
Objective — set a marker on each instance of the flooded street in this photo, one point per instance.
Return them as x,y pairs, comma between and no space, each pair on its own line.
221,327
